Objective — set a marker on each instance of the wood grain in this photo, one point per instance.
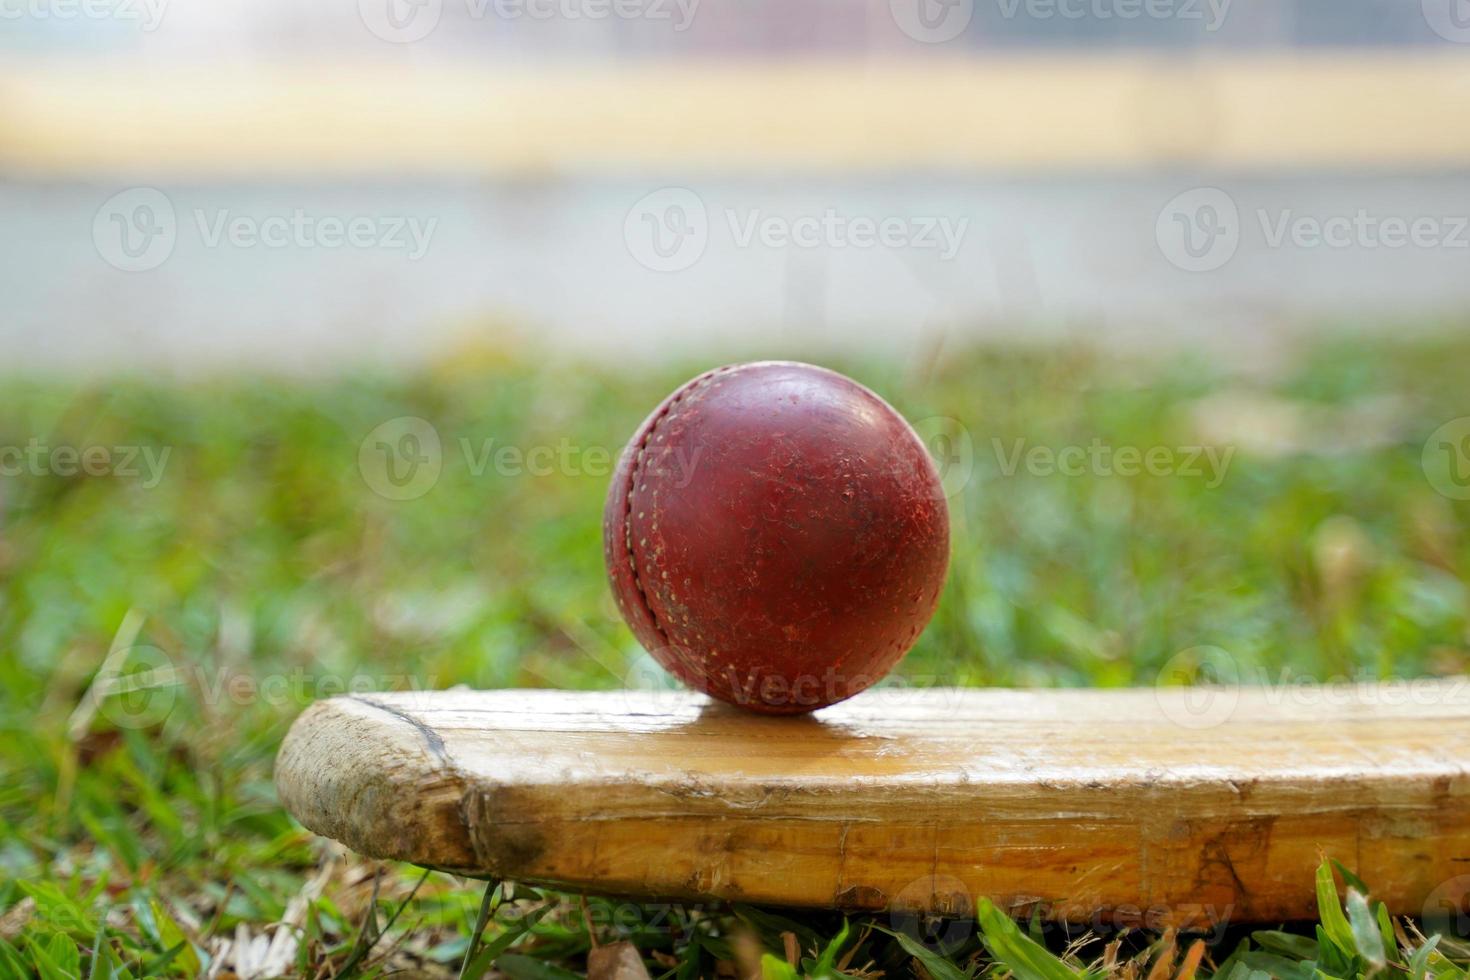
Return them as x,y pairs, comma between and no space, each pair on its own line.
1183,806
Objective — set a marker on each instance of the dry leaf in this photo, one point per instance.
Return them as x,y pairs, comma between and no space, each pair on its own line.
616,961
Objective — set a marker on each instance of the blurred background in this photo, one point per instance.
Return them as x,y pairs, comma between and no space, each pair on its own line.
322,324
649,178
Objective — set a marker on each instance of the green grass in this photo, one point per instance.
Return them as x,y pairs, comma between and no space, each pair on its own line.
138,831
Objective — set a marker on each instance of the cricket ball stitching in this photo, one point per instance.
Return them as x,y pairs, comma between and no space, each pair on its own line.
633,470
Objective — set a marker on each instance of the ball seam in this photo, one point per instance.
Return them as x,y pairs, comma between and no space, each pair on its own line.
633,471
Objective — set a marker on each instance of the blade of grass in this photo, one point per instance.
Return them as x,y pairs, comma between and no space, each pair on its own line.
1286,944
775,968
1366,936
939,968
826,963
492,950
1329,909
519,967
1023,956
492,888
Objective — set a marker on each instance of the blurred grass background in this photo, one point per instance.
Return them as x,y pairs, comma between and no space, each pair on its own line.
262,572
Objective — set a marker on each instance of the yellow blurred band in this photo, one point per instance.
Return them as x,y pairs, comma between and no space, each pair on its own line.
1340,110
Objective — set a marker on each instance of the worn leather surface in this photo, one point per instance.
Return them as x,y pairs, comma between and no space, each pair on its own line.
776,536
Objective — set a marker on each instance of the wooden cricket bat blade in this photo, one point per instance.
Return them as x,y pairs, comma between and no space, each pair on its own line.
1188,806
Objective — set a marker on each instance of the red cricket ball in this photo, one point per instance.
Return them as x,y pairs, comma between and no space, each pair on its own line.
776,536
